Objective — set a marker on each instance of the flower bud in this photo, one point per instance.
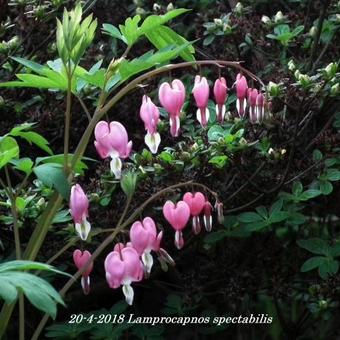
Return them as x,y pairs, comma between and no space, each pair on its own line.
335,89
304,80
170,7
140,11
238,8
312,31
218,22
291,65
156,7
331,70
128,183
323,304
219,208
297,74
279,17
274,89
265,19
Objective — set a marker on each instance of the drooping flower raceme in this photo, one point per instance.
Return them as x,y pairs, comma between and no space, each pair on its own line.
112,141
80,258
195,201
172,99
122,267
201,94
241,93
220,93
79,205
144,238
178,216
149,114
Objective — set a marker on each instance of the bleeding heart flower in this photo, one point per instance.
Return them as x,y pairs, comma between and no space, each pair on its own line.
122,267
207,218
80,258
196,203
144,239
220,93
79,205
172,99
260,107
177,215
241,93
252,95
149,113
112,141
201,94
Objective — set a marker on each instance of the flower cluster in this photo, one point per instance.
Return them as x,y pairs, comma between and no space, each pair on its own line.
79,205
178,215
133,261
111,139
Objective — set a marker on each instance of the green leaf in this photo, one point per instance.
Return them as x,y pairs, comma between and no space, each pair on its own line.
20,204
325,187
297,188
277,206
23,164
219,161
79,168
312,263
9,150
333,175
216,236
256,226
62,216
114,32
146,61
278,216
130,29
262,211
38,291
308,194
52,175
315,246
165,36
328,267
154,21
37,68
317,155
335,250
249,217
28,265
35,138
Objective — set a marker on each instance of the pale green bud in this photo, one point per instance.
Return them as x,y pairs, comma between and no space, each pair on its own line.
312,31
156,7
297,74
291,65
170,7
238,8
265,19
274,89
331,70
278,17
218,22
128,183
304,80
335,89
